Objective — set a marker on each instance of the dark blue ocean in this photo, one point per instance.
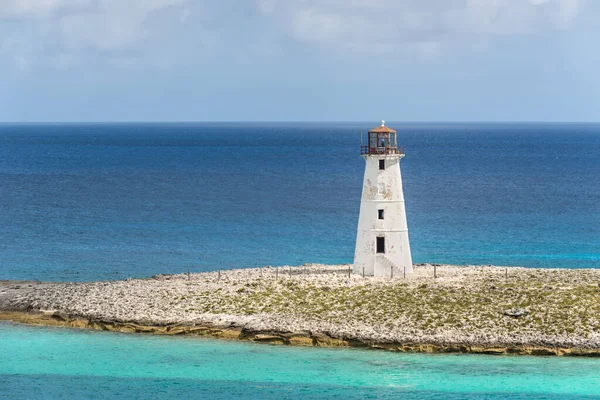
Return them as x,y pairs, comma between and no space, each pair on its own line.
101,201
110,201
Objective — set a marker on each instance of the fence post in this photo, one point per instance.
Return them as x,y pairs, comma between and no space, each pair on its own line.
290,272
392,272
404,272
348,272
276,273
363,272
506,273
435,271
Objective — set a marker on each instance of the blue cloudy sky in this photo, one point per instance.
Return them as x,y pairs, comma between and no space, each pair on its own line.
297,60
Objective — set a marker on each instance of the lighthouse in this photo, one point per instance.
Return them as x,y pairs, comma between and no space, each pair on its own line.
382,247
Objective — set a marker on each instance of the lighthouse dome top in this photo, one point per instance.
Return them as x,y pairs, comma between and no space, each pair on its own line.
382,129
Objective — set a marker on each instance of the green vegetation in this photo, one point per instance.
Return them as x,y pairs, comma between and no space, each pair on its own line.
553,305
462,305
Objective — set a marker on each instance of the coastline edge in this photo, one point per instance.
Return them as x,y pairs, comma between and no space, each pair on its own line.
305,339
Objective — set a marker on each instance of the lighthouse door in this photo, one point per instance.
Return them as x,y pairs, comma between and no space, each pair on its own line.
381,245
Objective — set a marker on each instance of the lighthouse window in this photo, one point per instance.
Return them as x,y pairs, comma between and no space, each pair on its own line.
380,245
372,140
381,164
380,214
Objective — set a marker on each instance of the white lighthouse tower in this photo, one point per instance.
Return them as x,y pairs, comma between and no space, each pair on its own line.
382,247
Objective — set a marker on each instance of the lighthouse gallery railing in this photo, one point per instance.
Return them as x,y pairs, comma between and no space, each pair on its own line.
381,150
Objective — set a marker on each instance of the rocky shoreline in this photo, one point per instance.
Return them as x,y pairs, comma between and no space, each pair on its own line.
439,308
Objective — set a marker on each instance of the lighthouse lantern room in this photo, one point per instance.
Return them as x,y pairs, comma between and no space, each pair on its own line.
382,246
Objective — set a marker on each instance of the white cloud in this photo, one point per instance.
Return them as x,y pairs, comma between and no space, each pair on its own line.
568,11
38,8
71,27
110,24
64,32
381,25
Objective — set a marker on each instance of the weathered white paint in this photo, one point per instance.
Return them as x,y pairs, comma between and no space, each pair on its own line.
393,227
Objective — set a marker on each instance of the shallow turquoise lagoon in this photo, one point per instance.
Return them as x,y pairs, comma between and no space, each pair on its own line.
54,363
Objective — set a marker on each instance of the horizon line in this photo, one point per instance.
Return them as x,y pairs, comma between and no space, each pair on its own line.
289,122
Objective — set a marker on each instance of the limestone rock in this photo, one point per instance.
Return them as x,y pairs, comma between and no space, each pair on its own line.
516,312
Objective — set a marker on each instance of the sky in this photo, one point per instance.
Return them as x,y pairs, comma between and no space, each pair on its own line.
299,60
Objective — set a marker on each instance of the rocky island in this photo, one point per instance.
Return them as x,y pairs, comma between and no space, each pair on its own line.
438,308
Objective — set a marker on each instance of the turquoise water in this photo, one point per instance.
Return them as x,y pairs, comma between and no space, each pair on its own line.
49,363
